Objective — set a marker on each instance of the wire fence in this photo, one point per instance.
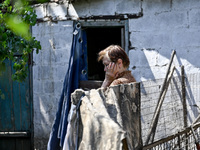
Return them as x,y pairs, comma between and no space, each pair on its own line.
183,140
171,118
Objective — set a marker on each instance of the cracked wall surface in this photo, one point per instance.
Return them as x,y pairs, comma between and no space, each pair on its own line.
164,26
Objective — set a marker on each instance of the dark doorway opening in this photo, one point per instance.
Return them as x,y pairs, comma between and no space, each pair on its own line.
97,40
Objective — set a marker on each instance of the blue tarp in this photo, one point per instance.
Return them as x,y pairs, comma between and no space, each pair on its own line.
71,82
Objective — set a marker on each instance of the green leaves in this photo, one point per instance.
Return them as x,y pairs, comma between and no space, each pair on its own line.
17,26
21,71
16,42
2,96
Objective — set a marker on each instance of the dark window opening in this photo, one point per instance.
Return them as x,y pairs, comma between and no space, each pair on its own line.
97,40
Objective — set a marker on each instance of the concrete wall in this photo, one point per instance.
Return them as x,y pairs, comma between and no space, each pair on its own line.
165,25
49,69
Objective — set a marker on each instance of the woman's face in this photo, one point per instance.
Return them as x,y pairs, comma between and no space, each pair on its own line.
106,61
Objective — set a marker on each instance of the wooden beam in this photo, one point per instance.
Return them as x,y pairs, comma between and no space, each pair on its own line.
15,134
90,84
117,16
157,111
159,99
184,96
186,130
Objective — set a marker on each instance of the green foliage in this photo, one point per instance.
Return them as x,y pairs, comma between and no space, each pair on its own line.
16,42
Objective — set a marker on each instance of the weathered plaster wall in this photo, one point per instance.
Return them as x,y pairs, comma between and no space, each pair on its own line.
165,25
49,69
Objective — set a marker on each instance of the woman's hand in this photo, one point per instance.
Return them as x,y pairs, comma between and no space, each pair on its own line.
111,74
111,71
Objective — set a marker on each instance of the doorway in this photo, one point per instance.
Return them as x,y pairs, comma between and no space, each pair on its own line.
97,36
97,40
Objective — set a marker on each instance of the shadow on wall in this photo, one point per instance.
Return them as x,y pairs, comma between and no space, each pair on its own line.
151,64
192,96
188,58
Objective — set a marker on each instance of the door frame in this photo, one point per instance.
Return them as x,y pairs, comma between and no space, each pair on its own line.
124,24
111,23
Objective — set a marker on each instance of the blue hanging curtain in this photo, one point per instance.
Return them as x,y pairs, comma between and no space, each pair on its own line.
74,74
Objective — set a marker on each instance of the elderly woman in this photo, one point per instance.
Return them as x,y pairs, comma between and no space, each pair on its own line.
116,63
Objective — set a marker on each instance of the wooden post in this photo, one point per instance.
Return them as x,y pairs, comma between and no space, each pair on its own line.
195,138
171,137
160,100
157,111
166,76
184,103
196,120
184,96
179,143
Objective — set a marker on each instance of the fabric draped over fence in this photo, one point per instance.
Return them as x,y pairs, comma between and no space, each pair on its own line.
105,119
71,82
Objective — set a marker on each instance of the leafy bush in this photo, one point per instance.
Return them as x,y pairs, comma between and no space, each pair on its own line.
16,42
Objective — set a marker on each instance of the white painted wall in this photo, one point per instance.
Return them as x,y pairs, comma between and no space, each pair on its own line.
166,25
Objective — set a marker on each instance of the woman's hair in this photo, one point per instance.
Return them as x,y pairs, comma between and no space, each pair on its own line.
114,52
